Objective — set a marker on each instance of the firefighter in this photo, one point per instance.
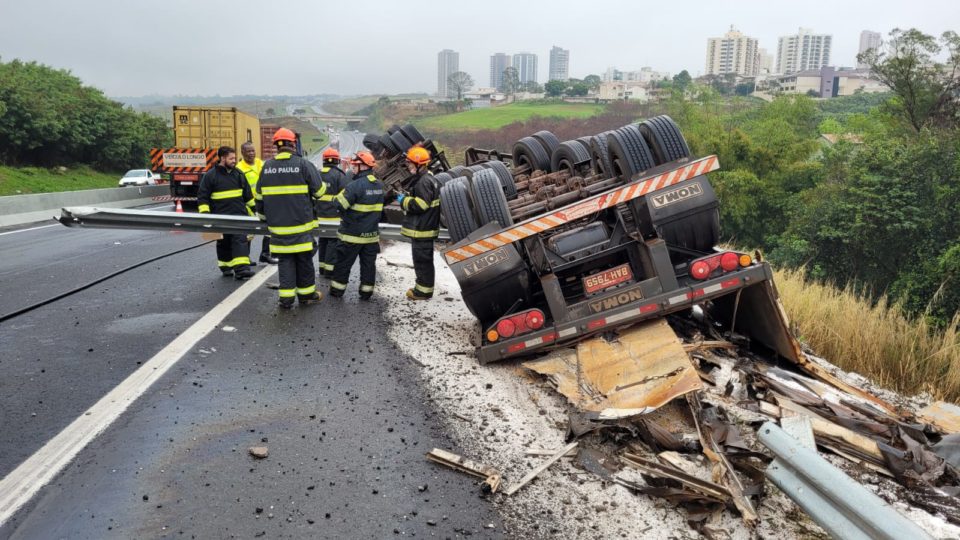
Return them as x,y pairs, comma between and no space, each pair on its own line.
285,196
421,221
328,208
250,166
224,190
359,236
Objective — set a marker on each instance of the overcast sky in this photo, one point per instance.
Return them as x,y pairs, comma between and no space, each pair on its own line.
136,47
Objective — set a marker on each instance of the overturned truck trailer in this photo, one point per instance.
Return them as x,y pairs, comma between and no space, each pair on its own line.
562,241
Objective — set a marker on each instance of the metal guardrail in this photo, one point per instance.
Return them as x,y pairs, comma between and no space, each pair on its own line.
844,508
109,218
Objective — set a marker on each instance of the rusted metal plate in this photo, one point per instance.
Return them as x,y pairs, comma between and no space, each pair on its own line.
644,368
945,416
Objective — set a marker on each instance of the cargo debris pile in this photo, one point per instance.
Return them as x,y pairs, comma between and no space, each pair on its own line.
689,434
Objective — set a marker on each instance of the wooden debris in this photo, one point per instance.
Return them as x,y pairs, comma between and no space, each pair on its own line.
545,452
716,455
644,368
703,487
540,468
714,344
833,434
800,428
944,416
491,476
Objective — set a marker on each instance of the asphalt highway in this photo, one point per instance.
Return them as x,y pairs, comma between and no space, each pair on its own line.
340,410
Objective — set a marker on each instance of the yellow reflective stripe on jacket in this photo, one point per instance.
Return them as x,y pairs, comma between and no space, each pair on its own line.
371,178
203,208
228,194
328,220
355,239
325,169
323,189
293,229
343,201
301,189
295,248
283,155
413,233
367,207
251,202
329,197
434,203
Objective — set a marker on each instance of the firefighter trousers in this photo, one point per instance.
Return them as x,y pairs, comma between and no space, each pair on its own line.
327,254
297,278
346,254
423,266
233,253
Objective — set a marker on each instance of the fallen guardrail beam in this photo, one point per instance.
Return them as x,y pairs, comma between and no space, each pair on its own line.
110,218
844,508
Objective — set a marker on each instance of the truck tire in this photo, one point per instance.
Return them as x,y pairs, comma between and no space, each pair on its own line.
664,138
600,155
529,151
473,170
506,179
443,178
548,140
457,171
491,202
628,152
400,141
456,210
412,134
389,147
585,141
569,155
393,129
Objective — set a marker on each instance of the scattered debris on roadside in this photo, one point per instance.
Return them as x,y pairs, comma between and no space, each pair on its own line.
491,477
259,452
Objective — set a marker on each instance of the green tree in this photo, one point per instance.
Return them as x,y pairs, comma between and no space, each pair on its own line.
593,81
460,82
554,88
682,80
928,92
511,81
533,87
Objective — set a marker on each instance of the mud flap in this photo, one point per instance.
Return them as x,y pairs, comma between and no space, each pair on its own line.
756,311
641,369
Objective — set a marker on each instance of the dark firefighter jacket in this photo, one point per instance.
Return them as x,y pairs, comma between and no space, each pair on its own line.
336,181
285,195
224,192
360,206
422,209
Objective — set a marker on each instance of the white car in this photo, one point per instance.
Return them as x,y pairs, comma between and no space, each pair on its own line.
139,177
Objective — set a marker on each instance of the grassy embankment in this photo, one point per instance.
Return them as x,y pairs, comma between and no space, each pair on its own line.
875,340
24,180
497,117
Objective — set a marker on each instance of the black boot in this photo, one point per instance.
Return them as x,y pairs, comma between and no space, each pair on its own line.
266,257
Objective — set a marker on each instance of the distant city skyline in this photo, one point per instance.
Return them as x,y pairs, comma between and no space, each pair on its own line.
85,38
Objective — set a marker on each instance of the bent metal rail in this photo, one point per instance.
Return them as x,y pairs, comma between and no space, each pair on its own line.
582,208
111,218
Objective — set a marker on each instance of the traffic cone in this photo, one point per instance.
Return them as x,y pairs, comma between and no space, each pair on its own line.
179,206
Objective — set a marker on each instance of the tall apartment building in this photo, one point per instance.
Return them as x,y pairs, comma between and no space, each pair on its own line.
559,64
868,40
732,53
526,66
802,51
764,62
448,63
498,63
644,75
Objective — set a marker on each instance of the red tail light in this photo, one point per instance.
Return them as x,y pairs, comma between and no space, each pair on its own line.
518,324
506,328
534,319
727,261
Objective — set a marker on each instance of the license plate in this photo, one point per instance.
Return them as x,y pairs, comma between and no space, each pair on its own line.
607,278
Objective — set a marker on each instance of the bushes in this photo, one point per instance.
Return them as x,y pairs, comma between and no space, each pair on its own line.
48,118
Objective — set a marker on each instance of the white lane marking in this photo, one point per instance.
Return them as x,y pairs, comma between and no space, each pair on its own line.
31,229
23,482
